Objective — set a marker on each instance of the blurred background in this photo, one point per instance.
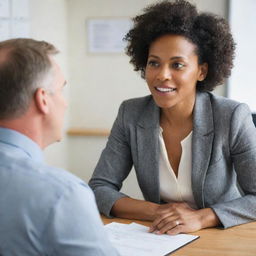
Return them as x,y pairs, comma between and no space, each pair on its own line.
99,82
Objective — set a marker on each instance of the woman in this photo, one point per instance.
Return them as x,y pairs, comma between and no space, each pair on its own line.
194,153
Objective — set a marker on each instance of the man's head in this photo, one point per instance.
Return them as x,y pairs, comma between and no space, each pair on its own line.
31,85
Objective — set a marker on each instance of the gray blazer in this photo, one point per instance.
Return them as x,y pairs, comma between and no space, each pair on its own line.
223,157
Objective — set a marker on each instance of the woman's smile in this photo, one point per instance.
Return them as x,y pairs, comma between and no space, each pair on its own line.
165,90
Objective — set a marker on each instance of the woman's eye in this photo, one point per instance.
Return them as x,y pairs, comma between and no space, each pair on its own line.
153,63
178,65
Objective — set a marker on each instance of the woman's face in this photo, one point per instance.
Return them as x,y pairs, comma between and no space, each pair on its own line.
172,71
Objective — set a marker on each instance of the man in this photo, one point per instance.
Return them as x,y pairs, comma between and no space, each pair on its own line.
43,211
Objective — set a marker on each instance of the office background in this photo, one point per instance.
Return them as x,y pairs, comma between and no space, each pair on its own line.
97,83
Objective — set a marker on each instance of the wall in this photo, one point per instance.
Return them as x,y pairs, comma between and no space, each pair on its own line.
100,82
242,80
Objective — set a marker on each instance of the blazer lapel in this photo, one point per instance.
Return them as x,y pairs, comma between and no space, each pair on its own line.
148,152
201,144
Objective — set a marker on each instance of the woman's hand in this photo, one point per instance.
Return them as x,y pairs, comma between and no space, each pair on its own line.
175,218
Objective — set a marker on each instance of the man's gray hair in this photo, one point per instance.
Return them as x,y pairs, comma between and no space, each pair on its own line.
24,67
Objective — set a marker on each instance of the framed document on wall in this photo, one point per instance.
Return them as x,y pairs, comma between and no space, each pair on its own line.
105,35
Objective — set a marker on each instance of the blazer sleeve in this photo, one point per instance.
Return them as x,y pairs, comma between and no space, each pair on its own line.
114,165
242,140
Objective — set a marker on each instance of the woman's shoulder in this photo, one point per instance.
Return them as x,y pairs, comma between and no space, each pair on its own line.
142,110
139,102
226,109
136,106
222,103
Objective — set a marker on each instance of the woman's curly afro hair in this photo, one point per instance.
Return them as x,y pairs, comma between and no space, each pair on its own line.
210,33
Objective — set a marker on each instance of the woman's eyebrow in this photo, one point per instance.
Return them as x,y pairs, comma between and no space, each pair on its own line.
172,58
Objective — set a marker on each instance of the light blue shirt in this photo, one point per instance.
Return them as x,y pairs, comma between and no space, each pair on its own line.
44,210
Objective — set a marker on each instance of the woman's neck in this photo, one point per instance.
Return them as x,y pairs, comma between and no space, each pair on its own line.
178,115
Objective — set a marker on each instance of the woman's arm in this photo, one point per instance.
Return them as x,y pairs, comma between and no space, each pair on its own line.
130,208
165,216
113,167
242,141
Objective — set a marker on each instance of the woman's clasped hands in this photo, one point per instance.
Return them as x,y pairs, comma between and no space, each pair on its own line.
175,218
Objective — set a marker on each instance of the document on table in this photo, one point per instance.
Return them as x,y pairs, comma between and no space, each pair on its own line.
134,239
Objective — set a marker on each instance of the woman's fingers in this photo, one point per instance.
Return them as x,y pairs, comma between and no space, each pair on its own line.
168,227
175,231
160,221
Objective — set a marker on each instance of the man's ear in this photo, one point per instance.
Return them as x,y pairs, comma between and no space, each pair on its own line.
203,71
41,100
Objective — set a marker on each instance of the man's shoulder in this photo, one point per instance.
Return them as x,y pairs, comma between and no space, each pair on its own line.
45,202
37,176
56,179
60,177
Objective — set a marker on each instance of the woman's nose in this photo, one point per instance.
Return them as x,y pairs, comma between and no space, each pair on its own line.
164,73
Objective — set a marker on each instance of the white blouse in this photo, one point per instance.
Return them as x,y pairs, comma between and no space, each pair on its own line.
174,188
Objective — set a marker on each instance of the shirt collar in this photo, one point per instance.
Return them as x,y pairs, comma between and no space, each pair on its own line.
18,140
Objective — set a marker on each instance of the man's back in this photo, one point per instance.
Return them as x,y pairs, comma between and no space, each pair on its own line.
44,211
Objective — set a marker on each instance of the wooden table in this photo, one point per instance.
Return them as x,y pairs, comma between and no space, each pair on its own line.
236,241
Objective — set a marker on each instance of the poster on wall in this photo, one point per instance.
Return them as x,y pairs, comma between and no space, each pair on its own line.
106,35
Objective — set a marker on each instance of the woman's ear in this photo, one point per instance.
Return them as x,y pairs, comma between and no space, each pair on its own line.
203,71
42,100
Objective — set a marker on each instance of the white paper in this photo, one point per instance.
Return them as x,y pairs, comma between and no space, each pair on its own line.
4,8
134,239
106,35
4,29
